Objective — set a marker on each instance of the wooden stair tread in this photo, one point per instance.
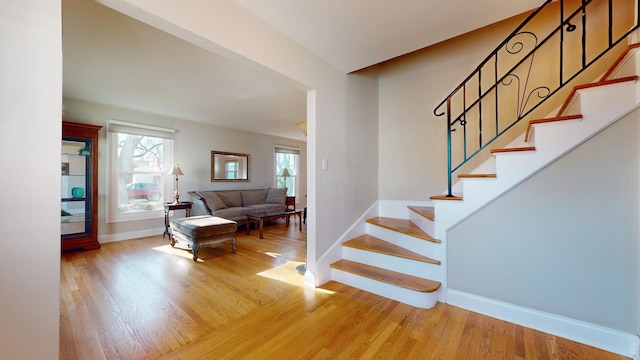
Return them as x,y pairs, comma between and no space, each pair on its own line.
477,176
445,197
567,101
373,244
549,120
515,149
424,211
387,276
402,226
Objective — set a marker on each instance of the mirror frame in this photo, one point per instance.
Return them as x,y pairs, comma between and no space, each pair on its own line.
223,154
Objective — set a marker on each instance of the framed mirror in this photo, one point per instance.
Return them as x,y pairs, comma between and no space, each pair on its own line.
227,166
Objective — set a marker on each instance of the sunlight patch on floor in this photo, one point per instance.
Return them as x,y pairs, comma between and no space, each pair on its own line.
287,273
167,249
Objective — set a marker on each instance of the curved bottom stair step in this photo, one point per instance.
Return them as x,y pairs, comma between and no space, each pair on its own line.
387,276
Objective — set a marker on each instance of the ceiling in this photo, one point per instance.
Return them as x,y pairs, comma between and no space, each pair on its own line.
112,59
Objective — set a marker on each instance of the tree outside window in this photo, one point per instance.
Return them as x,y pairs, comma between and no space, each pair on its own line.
139,162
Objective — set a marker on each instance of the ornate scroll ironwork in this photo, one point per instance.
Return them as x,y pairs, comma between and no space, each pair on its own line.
520,48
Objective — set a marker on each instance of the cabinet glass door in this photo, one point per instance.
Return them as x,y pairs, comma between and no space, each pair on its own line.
75,216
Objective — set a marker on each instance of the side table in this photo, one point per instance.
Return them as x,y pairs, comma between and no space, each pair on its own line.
185,205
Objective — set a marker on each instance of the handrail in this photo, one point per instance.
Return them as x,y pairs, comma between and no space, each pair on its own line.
468,105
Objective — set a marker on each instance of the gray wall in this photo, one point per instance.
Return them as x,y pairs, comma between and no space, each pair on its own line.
566,240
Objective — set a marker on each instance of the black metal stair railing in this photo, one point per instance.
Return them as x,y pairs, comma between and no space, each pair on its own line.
554,44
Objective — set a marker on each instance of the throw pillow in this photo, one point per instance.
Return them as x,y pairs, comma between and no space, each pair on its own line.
212,201
251,197
230,198
276,195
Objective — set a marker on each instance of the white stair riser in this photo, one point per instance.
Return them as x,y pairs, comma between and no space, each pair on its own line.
401,265
420,246
398,208
470,185
627,67
536,127
403,295
422,222
573,108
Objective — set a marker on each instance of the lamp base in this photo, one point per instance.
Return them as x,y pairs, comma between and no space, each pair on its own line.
177,198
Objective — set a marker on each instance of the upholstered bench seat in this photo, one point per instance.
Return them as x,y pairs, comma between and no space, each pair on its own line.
205,230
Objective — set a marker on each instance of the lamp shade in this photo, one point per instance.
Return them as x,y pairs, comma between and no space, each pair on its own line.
176,170
285,173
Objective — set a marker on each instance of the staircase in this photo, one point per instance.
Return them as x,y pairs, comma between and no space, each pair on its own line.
400,267
404,258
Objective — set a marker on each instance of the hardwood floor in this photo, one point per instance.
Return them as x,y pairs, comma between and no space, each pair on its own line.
142,299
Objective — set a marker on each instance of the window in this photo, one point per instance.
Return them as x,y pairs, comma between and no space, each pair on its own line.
232,169
287,159
139,158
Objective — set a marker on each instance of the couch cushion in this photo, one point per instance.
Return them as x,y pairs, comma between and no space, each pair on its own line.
276,195
251,197
230,198
233,213
212,200
203,226
265,207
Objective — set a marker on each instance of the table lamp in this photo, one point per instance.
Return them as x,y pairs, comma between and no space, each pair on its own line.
176,171
285,174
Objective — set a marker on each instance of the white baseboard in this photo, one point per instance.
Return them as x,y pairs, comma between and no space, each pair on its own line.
130,235
611,340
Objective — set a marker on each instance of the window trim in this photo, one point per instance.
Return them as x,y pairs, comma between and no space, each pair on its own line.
284,149
115,127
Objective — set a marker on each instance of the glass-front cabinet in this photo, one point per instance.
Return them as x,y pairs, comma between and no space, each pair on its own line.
79,190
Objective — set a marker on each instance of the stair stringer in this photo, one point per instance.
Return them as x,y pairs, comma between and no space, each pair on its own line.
600,107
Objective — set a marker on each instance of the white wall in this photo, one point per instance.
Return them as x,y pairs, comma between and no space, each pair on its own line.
343,129
193,146
565,241
30,105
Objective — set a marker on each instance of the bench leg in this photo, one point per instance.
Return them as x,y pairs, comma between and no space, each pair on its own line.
194,249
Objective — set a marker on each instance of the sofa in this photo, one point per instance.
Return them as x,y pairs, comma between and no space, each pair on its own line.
237,204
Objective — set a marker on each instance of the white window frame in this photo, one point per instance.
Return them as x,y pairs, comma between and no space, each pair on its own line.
112,214
235,172
293,173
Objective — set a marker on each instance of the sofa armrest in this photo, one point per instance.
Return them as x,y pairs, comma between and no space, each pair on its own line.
199,207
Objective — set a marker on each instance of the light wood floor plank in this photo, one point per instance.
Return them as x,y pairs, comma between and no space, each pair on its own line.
142,299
